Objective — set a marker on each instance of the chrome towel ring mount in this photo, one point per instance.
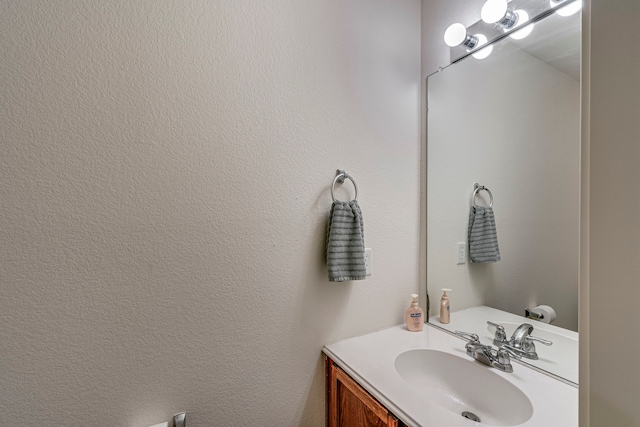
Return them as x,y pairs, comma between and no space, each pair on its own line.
341,175
476,189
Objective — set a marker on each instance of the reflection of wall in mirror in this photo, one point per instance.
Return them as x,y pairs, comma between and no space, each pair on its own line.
510,122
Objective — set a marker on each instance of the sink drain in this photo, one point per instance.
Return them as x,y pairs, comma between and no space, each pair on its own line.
471,416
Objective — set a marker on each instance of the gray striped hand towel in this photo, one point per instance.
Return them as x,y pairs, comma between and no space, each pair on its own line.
345,242
483,238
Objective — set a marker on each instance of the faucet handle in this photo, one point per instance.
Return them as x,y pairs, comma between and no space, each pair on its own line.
514,352
474,338
497,325
504,356
501,335
540,340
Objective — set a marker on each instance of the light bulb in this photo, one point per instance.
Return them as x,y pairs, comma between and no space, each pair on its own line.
493,11
482,52
569,9
457,34
523,18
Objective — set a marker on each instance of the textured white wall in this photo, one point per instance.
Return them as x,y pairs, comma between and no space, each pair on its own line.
165,186
528,155
611,290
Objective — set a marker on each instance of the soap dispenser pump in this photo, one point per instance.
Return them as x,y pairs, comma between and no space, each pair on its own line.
445,309
415,315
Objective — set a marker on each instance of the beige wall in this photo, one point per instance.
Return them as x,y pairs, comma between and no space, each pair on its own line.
165,185
437,15
613,282
528,155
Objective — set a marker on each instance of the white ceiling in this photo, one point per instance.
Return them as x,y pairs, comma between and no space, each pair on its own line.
556,40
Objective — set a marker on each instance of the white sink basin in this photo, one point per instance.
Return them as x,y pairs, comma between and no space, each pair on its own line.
464,385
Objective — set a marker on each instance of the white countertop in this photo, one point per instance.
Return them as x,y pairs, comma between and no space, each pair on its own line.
370,360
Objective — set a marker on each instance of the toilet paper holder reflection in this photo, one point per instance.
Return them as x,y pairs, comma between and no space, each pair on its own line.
541,313
533,315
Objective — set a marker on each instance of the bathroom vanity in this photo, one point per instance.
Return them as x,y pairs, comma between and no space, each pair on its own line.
348,404
395,377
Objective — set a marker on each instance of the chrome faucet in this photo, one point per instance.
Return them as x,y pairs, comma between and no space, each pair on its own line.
497,358
521,340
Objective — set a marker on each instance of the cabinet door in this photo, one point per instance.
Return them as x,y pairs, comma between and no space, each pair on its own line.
350,405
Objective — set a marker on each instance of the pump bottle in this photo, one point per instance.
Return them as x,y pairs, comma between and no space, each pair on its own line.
415,315
445,309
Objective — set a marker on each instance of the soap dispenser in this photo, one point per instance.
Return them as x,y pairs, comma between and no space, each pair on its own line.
415,315
445,309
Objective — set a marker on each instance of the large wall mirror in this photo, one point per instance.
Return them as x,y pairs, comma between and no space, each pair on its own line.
510,122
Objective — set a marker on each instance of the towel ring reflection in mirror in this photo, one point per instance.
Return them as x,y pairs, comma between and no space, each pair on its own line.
476,189
340,177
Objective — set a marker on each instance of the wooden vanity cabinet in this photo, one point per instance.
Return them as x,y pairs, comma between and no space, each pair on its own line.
349,405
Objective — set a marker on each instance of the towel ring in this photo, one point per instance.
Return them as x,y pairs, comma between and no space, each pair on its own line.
476,189
340,177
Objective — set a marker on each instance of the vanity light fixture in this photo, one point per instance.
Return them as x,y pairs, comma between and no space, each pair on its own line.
500,19
569,9
482,52
498,12
456,35
523,18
